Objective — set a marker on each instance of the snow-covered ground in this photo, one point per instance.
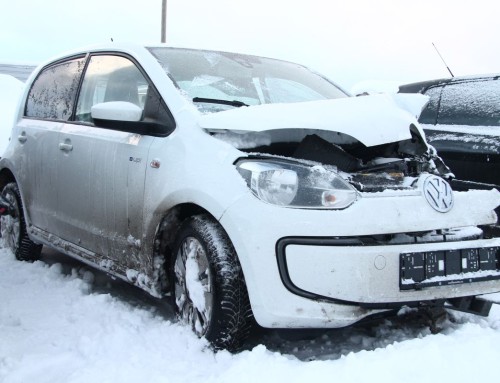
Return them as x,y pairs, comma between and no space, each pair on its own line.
63,322
10,91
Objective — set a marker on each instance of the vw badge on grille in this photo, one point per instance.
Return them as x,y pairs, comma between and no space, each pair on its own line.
438,193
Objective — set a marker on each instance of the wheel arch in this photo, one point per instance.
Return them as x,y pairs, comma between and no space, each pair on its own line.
6,176
232,319
16,232
165,238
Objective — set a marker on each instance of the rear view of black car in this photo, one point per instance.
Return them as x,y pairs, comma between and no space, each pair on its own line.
462,121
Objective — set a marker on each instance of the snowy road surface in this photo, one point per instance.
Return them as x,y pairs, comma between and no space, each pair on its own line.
63,322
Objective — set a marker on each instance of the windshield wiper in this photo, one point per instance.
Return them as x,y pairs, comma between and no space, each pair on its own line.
218,101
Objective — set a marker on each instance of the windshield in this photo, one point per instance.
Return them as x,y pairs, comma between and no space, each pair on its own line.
218,81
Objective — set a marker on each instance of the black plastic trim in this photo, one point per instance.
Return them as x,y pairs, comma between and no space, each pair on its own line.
283,267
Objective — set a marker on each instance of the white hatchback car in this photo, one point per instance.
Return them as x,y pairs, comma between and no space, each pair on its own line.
243,187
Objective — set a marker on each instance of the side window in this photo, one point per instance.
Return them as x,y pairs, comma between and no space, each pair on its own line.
110,78
52,94
429,113
471,103
116,78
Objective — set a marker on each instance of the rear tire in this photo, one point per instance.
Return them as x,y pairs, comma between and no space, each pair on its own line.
13,227
209,290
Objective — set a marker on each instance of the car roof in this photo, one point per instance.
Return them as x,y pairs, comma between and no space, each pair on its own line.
140,48
422,86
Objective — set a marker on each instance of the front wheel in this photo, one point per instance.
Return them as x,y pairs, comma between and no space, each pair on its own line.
13,227
208,286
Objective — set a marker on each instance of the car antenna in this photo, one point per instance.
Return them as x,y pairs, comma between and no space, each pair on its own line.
444,62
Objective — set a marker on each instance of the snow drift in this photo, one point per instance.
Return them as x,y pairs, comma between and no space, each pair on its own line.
61,323
10,91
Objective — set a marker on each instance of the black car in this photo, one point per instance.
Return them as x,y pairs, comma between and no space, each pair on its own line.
462,121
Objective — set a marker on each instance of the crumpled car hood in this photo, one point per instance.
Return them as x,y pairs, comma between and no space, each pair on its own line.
372,120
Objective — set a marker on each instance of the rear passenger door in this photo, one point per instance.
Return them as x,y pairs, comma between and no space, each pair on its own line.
49,106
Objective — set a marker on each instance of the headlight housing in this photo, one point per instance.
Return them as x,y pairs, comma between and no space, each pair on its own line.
291,184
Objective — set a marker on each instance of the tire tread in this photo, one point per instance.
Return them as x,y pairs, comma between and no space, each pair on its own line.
232,319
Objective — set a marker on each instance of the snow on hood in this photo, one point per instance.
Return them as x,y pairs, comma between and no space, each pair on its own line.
375,86
372,120
412,102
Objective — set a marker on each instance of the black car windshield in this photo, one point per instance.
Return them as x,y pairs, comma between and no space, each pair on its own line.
217,81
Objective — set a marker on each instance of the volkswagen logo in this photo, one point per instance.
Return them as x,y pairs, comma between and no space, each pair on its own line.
438,194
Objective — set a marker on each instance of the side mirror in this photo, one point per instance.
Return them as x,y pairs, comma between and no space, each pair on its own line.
127,117
116,111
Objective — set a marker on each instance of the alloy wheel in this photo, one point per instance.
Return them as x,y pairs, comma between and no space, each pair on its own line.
11,225
194,294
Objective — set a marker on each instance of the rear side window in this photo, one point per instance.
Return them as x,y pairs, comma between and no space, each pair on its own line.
52,95
471,103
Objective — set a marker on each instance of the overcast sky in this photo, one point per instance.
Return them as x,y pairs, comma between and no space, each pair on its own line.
349,41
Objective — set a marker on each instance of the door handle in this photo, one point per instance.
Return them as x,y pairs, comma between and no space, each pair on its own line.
65,147
22,138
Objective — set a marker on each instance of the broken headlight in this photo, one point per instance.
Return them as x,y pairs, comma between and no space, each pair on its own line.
296,185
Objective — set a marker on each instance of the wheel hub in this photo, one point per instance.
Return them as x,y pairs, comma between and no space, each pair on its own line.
193,285
11,225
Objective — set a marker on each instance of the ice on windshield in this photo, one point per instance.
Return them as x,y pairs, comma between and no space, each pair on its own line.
249,79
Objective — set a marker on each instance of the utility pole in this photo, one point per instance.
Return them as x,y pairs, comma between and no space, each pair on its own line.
163,21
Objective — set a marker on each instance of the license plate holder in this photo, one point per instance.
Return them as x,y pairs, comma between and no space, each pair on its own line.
446,267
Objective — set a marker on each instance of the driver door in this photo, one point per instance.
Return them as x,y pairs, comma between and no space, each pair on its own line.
101,200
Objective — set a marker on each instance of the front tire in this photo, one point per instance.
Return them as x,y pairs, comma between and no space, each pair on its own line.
209,290
13,227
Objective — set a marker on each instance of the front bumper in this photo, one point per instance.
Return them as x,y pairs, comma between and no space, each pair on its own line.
378,276
339,285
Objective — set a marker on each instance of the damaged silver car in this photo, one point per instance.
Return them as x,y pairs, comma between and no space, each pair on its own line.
244,189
